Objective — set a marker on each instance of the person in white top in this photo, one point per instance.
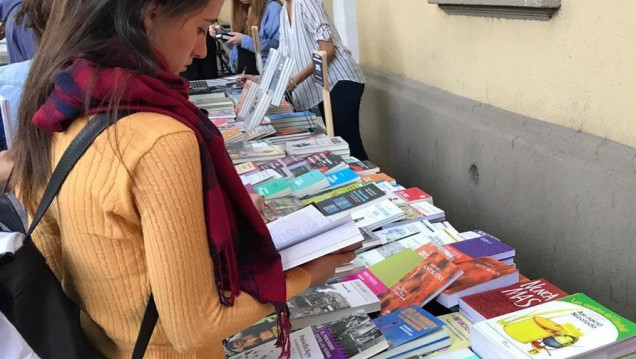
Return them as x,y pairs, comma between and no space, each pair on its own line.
304,28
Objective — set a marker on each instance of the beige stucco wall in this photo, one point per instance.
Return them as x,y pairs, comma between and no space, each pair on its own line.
577,70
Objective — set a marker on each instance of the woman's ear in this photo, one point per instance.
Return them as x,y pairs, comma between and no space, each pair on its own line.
149,16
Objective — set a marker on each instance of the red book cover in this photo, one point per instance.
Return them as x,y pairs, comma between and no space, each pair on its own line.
413,195
460,257
512,298
422,284
478,271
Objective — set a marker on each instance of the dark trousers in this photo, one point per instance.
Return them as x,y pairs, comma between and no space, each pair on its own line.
345,106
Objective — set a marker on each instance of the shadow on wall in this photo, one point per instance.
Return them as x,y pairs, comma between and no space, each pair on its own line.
565,200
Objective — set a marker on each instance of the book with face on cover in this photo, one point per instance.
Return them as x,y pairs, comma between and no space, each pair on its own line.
423,283
494,303
411,331
572,327
480,275
319,305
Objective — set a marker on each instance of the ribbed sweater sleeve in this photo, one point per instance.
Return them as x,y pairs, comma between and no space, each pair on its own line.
168,193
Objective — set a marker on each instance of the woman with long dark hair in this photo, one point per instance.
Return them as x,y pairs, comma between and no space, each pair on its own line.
155,204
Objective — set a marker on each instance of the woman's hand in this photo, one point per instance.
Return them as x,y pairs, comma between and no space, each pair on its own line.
324,268
236,39
241,80
212,30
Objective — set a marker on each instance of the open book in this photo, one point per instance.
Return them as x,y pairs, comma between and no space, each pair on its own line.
302,225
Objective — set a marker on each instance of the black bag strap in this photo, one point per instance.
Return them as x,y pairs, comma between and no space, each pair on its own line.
147,327
98,124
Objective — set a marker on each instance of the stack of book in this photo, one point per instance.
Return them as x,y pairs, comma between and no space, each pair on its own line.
317,144
254,151
572,327
296,121
319,200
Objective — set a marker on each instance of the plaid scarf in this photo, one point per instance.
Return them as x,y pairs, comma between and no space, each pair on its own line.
241,247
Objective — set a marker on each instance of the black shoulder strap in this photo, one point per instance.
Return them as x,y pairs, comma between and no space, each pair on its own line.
98,124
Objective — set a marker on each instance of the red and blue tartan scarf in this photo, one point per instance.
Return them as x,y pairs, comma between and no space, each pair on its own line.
241,247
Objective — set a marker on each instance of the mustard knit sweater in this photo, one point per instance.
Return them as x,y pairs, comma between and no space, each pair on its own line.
130,219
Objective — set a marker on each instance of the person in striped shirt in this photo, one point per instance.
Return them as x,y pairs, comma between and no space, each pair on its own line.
304,28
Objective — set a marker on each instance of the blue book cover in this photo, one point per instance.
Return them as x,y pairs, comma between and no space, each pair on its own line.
406,325
306,180
342,178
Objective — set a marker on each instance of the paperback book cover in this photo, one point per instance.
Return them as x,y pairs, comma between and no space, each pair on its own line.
424,210
378,177
273,188
252,337
377,215
350,200
319,305
509,299
563,328
245,168
303,183
362,167
408,329
342,178
351,337
385,274
480,275
409,196
331,193
329,165
458,329
280,207
484,247
464,353
422,284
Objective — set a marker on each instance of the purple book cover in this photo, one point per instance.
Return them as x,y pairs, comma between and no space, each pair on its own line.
485,246
328,344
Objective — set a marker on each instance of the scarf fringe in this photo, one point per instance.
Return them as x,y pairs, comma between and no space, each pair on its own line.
284,326
226,265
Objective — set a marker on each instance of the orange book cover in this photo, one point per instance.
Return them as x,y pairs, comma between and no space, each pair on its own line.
378,177
422,284
479,271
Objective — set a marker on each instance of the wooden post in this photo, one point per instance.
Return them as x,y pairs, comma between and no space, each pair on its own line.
321,76
257,49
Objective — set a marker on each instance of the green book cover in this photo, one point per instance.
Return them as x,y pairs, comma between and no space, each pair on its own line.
393,269
330,194
560,329
307,180
272,187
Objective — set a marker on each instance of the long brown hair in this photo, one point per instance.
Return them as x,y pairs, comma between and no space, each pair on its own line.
78,28
246,16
